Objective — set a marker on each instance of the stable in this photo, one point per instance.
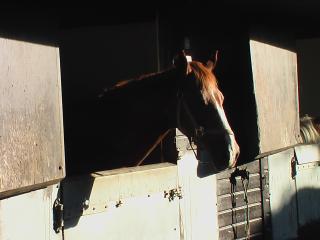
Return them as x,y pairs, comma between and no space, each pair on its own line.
52,74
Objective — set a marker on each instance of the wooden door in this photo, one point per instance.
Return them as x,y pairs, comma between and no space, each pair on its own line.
275,86
31,127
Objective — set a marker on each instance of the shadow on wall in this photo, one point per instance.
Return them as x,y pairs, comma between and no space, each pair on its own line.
75,193
304,208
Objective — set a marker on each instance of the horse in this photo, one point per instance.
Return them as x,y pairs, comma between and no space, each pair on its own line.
120,126
310,129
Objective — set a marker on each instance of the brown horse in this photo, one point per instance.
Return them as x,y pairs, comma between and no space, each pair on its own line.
120,127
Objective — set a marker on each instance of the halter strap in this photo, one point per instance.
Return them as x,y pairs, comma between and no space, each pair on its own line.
199,131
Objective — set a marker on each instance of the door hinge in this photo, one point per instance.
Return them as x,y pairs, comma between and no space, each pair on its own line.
58,215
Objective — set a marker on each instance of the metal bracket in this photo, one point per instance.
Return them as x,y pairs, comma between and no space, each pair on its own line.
298,167
306,166
173,193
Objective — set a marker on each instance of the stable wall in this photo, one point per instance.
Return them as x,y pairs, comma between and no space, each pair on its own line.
308,51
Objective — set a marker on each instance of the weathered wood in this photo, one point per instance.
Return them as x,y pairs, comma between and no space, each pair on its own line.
237,215
29,216
224,185
276,93
31,128
225,201
255,236
227,233
252,167
265,197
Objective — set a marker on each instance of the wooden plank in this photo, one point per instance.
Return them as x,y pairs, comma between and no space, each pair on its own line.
252,167
225,201
224,185
236,215
31,129
276,93
29,216
266,212
282,196
238,230
255,236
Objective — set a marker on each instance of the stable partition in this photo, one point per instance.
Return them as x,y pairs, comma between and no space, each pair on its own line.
129,203
155,201
295,192
275,85
31,126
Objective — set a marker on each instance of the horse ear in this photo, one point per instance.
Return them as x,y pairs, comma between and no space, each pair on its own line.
180,61
212,61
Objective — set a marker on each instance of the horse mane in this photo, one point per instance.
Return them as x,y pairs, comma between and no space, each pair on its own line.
124,83
133,81
310,129
204,76
208,83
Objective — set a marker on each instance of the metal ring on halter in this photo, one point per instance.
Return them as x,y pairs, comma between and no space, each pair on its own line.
199,131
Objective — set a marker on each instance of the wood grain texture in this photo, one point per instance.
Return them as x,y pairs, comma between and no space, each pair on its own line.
237,215
224,185
237,231
31,128
225,201
251,167
232,206
276,92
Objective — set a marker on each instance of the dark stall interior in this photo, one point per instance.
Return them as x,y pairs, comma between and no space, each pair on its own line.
96,56
99,48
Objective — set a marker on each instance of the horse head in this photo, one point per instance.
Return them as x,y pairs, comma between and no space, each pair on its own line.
200,114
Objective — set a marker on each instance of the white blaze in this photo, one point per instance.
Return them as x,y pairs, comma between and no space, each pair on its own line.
232,143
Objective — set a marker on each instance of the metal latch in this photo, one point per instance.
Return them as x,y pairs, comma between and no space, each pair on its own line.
307,166
57,215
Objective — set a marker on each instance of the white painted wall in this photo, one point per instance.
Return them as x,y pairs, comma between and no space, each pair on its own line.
29,216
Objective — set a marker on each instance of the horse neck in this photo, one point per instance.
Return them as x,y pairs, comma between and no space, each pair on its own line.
145,115
159,100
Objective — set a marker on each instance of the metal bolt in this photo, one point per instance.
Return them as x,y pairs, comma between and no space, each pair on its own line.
86,204
118,204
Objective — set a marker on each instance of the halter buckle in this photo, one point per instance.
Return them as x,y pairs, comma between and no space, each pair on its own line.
199,133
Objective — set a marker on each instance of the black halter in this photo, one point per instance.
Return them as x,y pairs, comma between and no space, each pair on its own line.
198,131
